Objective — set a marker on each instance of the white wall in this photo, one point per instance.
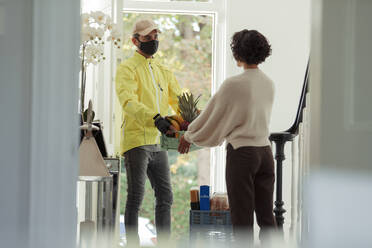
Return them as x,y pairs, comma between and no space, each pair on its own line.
39,122
340,185
341,114
15,102
286,24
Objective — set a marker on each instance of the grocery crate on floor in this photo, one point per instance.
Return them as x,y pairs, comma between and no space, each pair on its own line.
210,226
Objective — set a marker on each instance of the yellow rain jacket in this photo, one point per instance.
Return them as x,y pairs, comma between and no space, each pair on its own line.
144,88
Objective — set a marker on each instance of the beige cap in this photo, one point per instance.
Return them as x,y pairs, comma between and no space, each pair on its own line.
144,27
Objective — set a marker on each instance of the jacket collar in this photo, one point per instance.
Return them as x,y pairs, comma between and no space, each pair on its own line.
141,58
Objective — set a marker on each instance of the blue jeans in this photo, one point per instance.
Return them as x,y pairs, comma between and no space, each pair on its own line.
139,162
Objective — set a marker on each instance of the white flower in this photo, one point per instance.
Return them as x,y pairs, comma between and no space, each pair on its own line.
89,32
94,51
109,25
115,34
85,18
93,30
93,54
99,32
99,16
86,34
84,37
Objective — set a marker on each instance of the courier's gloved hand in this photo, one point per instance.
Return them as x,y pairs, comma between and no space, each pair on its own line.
161,123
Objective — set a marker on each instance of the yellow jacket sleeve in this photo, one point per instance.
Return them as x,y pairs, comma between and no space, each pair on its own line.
126,88
174,90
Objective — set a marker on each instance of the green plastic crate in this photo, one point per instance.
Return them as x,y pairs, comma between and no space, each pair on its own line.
170,143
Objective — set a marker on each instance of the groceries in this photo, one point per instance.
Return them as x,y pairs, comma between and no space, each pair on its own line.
201,200
188,109
194,198
219,202
213,221
187,112
204,197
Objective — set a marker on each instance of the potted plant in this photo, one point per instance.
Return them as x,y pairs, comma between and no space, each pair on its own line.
95,26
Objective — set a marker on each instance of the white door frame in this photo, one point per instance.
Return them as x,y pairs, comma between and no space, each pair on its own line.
217,9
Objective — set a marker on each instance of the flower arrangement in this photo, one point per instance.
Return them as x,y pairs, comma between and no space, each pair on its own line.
95,26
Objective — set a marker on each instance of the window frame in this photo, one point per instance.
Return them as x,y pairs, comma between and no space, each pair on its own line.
216,9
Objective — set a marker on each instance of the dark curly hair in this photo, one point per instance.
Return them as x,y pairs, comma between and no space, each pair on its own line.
250,46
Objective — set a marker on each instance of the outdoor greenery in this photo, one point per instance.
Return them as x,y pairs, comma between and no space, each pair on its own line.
185,46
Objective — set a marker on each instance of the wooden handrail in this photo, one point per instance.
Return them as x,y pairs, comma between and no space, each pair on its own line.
302,104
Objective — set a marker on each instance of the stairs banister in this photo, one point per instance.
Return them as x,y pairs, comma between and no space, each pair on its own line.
280,139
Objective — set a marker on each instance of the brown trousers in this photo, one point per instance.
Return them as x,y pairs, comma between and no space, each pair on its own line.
250,180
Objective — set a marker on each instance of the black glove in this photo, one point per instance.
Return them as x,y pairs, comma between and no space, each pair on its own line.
161,123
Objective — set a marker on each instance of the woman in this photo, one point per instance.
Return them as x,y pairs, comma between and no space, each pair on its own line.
240,114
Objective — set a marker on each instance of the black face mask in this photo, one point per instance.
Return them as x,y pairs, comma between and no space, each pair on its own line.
149,47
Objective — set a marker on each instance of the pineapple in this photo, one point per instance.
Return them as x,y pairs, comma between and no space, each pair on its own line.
187,108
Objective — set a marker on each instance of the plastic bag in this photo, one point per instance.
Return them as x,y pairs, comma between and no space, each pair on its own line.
219,202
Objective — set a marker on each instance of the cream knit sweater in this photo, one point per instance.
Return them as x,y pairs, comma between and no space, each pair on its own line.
239,113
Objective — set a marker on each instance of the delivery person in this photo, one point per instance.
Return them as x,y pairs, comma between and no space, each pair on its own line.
146,89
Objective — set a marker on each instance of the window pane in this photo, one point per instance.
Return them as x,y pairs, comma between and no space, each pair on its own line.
185,46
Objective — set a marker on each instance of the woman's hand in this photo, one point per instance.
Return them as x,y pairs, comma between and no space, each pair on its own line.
184,146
